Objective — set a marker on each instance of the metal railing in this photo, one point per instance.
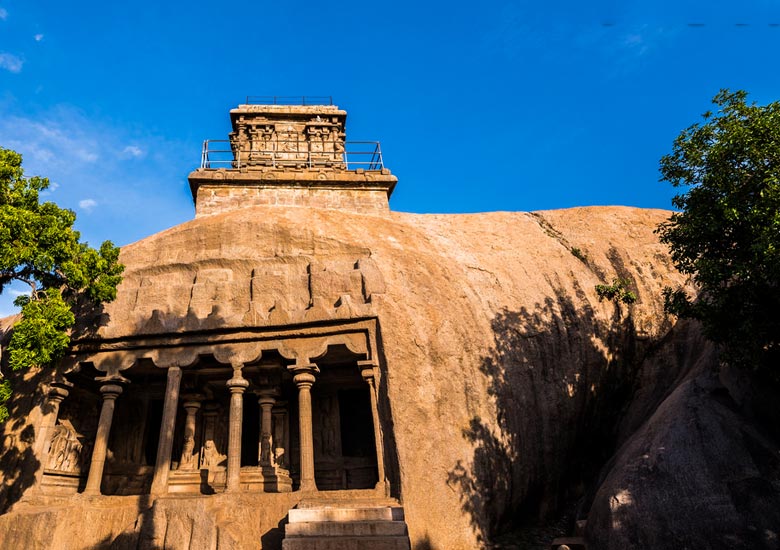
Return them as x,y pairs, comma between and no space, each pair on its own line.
288,100
354,155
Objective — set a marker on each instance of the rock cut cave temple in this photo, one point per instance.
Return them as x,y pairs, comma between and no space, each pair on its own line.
300,367
253,375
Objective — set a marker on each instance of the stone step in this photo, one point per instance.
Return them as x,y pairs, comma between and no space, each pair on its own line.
384,513
346,543
345,529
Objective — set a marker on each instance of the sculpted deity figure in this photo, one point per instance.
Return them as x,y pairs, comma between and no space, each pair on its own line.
210,456
265,450
280,459
187,456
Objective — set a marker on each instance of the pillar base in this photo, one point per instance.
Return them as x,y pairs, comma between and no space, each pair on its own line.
185,481
310,487
266,479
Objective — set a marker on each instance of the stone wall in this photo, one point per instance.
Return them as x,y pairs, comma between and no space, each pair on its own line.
214,199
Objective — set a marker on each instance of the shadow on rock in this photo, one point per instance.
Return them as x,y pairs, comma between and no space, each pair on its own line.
18,461
700,473
561,377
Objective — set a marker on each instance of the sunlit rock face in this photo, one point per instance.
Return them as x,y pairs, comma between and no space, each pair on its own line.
505,381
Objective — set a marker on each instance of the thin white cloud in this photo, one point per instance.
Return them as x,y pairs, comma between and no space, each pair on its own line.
3,14
38,37
10,62
636,44
633,40
85,157
132,151
87,205
53,185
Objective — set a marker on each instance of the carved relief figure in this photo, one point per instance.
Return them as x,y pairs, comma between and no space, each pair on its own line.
65,450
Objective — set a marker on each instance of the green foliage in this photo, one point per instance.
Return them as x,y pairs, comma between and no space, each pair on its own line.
617,292
579,254
41,337
39,247
5,394
727,233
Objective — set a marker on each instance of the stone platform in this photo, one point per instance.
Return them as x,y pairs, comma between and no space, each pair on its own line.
339,525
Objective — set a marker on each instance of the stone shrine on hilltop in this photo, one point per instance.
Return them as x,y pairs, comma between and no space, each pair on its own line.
290,155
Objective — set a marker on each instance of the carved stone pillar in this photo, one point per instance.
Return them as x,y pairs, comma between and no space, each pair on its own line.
162,465
110,390
237,385
304,379
266,400
56,393
189,460
367,371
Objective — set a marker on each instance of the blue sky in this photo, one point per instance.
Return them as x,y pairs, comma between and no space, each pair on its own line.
478,106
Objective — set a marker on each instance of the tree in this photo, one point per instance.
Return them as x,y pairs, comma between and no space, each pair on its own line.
726,235
40,248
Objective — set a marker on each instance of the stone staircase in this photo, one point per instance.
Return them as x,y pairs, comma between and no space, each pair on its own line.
344,526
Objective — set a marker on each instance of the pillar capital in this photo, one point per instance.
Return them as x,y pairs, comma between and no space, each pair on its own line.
304,374
267,394
367,370
191,406
59,390
266,400
237,384
111,390
192,400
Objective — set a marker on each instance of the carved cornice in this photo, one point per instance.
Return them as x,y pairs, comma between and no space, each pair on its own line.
300,345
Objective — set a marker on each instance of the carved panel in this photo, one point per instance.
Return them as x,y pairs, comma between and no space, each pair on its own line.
332,283
214,292
71,441
281,284
264,139
168,292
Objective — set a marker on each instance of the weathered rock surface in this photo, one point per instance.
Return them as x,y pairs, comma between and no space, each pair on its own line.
700,473
506,383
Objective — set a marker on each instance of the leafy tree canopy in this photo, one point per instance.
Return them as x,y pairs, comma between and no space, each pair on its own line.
727,233
39,247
